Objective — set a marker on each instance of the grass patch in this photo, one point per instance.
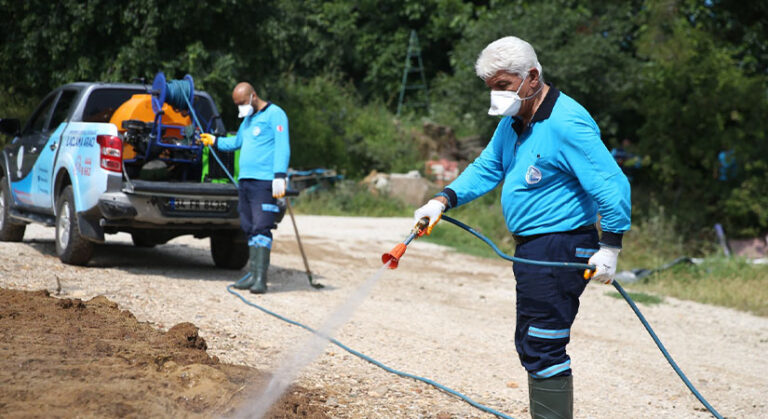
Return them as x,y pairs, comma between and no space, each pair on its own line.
720,281
350,199
638,297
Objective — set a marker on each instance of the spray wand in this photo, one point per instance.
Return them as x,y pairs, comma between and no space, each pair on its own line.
393,256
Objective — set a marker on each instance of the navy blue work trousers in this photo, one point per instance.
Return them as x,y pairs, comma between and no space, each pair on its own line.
548,300
257,211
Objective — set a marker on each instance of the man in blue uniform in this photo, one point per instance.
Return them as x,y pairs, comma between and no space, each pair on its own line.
557,176
264,153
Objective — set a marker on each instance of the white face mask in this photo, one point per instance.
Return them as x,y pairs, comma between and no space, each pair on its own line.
245,110
506,103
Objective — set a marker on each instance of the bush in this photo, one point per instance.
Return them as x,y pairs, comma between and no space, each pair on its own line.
747,204
331,127
653,241
13,105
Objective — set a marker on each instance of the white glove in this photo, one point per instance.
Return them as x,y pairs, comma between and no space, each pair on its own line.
605,261
432,210
278,187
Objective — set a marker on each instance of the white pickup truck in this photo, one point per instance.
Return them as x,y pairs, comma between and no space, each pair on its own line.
102,158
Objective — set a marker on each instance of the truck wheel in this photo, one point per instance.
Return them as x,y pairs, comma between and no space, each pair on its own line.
71,247
9,231
229,250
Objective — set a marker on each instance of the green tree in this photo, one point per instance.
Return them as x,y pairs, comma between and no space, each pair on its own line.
336,129
741,26
44,45
697,100
366,40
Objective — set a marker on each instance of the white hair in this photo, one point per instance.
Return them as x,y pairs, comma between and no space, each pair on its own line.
510,54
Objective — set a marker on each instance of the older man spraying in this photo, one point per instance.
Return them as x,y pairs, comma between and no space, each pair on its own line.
264,154
557,177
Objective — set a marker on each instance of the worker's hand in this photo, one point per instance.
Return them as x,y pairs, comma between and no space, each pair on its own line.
432,210
207,139
605,261
278,187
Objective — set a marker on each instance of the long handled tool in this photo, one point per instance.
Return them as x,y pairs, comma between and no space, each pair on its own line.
312,283
399,250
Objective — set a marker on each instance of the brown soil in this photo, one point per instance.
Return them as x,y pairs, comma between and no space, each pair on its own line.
67,357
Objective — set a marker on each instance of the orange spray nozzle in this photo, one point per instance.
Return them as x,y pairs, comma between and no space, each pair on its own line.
394,255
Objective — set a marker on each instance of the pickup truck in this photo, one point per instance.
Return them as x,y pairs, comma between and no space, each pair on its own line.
80,166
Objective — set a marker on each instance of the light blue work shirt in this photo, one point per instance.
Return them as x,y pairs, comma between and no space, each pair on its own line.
557,173
263,142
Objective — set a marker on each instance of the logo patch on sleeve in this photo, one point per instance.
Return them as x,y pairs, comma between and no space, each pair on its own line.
279,128
533,175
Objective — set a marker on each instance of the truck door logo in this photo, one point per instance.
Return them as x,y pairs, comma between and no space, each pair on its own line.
83,169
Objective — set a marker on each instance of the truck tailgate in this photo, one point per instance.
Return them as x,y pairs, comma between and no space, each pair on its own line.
143,187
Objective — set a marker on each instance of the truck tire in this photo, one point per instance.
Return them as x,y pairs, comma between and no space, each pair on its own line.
229,250
72,248
9,231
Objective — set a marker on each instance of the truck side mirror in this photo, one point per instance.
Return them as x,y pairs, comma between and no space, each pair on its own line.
10,126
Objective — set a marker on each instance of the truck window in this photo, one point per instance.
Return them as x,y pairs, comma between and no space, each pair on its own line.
40,117
102,103
63,108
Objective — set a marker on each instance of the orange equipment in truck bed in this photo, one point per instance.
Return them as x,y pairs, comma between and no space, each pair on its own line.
139,107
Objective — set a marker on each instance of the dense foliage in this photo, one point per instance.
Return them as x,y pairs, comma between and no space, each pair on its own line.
683,80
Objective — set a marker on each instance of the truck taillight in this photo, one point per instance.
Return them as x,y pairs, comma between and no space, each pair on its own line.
111,152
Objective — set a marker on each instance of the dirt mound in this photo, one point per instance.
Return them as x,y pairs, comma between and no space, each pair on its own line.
67,357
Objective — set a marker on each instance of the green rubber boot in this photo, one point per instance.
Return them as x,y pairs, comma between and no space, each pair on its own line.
551,398
259,267
247,281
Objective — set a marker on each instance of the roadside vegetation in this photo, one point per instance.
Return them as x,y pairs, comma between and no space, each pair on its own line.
350,199
728,282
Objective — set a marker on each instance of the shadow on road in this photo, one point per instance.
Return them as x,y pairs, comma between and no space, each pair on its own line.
178,261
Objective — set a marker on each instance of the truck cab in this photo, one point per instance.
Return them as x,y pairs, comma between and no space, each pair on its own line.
90,161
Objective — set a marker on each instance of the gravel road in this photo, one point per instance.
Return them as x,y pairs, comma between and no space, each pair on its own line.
441,315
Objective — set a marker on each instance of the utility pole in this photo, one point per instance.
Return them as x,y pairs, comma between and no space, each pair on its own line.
413,54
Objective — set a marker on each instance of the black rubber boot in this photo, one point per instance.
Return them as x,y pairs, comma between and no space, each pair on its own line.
247,281
551,398
259,267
